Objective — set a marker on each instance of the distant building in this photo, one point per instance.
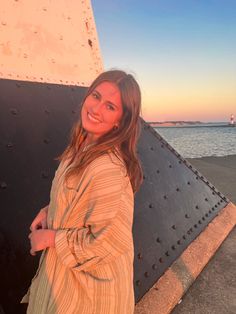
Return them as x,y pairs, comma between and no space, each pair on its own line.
232,122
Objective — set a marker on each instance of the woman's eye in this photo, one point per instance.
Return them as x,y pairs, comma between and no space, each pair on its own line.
95,95
110,107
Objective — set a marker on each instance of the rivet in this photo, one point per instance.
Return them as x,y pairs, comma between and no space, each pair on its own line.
158,171
158,240
213,208
196,207
209,212
144,177
14,111
170,166
173,227
161,260
177,189
167,253
9,145
151,206
165,197
46,111
206,215
178,242
184,237
3,185
46,141
190,166
180,162
196,172
221,201
187,216
203,218
216,205
213,193
151,148
44,175
146,274
199,221
140,256
73,111
173,247
138,282
154,266
202,177
206,199
195,226
196,178
188,183
162,146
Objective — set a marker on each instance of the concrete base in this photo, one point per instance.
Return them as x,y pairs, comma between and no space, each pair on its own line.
170,288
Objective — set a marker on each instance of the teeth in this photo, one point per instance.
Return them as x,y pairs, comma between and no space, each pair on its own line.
92,118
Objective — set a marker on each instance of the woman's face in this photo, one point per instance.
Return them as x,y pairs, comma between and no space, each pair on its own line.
102,110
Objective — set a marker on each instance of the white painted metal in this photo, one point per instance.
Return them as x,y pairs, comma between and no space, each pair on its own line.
49,41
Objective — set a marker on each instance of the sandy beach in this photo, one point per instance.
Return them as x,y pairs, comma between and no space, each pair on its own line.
220,171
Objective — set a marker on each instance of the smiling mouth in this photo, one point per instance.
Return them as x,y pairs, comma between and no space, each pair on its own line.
92,118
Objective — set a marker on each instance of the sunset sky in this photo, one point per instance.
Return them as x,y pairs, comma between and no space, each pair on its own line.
182,52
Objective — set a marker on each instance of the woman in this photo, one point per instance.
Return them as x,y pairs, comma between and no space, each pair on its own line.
86,231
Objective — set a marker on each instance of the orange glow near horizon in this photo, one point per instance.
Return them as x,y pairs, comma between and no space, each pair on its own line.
202,103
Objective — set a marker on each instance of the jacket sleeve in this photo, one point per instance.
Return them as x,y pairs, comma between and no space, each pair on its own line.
107,230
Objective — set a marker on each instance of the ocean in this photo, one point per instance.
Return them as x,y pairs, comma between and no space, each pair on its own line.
200,141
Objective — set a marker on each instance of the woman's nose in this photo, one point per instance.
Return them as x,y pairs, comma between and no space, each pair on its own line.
97,107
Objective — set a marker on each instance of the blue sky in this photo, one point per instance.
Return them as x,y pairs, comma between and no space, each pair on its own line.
182,52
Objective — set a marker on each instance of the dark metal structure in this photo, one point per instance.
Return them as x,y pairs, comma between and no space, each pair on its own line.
174,204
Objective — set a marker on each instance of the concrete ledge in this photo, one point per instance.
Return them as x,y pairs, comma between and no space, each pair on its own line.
169,289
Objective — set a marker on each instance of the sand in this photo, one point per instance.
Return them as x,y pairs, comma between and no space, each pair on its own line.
220,171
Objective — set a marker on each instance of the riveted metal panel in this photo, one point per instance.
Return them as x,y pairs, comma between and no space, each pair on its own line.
35,123
174,204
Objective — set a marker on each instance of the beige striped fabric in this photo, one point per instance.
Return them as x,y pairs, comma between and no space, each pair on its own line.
90,270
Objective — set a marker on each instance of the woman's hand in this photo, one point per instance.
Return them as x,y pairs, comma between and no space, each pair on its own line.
40,221
41,239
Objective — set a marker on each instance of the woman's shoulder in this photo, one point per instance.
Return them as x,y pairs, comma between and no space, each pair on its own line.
108,161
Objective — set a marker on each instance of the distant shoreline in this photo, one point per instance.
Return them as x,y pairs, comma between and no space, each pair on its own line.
190,124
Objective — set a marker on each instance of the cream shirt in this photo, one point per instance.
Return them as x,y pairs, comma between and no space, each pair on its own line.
90,270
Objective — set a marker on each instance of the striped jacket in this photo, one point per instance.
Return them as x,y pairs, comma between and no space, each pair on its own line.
90,270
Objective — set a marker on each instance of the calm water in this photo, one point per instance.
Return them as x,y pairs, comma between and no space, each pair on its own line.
192,142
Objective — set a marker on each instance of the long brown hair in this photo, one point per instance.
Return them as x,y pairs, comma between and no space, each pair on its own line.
121,141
